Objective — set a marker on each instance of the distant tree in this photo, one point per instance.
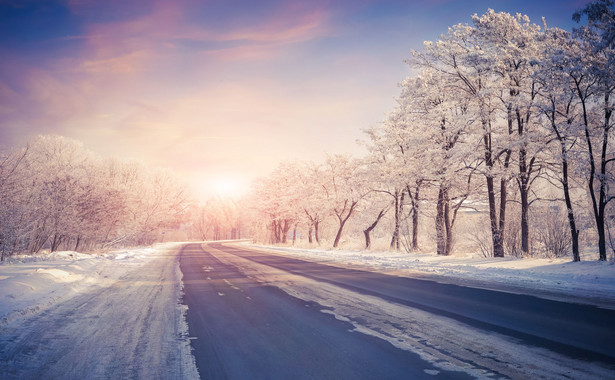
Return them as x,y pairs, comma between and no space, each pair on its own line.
313,198
345,189
276,198
12,207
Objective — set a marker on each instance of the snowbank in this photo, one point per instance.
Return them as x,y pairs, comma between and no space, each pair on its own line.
590,282
32,283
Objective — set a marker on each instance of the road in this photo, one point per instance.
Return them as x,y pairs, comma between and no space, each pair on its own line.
258,315
249,314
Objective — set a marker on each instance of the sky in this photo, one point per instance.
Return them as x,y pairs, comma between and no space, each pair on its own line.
220,91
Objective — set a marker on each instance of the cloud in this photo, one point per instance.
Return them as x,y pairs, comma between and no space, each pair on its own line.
168,29
126,64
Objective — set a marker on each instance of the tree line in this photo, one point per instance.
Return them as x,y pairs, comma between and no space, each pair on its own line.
502,118
58,195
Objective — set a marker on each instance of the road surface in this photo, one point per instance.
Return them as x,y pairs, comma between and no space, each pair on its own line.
248,330
249,314
258,315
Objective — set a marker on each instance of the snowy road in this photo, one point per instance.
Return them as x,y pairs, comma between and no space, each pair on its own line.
243,324
261,315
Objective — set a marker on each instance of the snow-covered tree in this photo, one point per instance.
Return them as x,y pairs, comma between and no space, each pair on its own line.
559,105
465,68
593,76
345,189
275,198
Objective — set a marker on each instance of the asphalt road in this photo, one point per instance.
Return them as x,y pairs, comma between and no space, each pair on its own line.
244,329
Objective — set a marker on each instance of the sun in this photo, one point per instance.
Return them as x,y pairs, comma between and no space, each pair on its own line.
226,187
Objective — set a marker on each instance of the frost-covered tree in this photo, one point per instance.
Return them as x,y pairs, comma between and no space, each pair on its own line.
218,218
387,170
312,198
515,49
275,198
57,194
465,67
441,122
593,75
13,209
559,105
398,168
345,189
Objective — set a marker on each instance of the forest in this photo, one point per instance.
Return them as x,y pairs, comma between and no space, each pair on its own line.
57,195
500,143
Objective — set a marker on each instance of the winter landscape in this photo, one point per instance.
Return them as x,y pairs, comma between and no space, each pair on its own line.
340,190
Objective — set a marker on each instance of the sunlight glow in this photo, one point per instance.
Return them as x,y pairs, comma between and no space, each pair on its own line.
227,187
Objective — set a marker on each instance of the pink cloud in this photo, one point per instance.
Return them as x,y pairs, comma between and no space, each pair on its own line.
128,46
127,64
287,26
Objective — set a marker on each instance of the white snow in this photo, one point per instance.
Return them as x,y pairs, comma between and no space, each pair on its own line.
32,283
118,307
591,282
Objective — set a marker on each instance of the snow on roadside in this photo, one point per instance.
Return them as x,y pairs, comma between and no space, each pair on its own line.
590,282
30,284
135,291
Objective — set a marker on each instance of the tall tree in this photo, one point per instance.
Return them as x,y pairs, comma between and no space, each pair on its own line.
515,48
560,108
593,75
459,58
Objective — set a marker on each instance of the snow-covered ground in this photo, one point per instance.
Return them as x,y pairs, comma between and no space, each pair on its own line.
113,305
591,282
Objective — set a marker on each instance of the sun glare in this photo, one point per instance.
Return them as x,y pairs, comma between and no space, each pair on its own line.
226,187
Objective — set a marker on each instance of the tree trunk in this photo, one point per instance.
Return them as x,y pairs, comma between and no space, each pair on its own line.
448,224
574,232
342,220
338,236
440,229
599,204
496,232
57,239
295,233
415,215
368,230
285,230
399,204
525,205
415,229
496,237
